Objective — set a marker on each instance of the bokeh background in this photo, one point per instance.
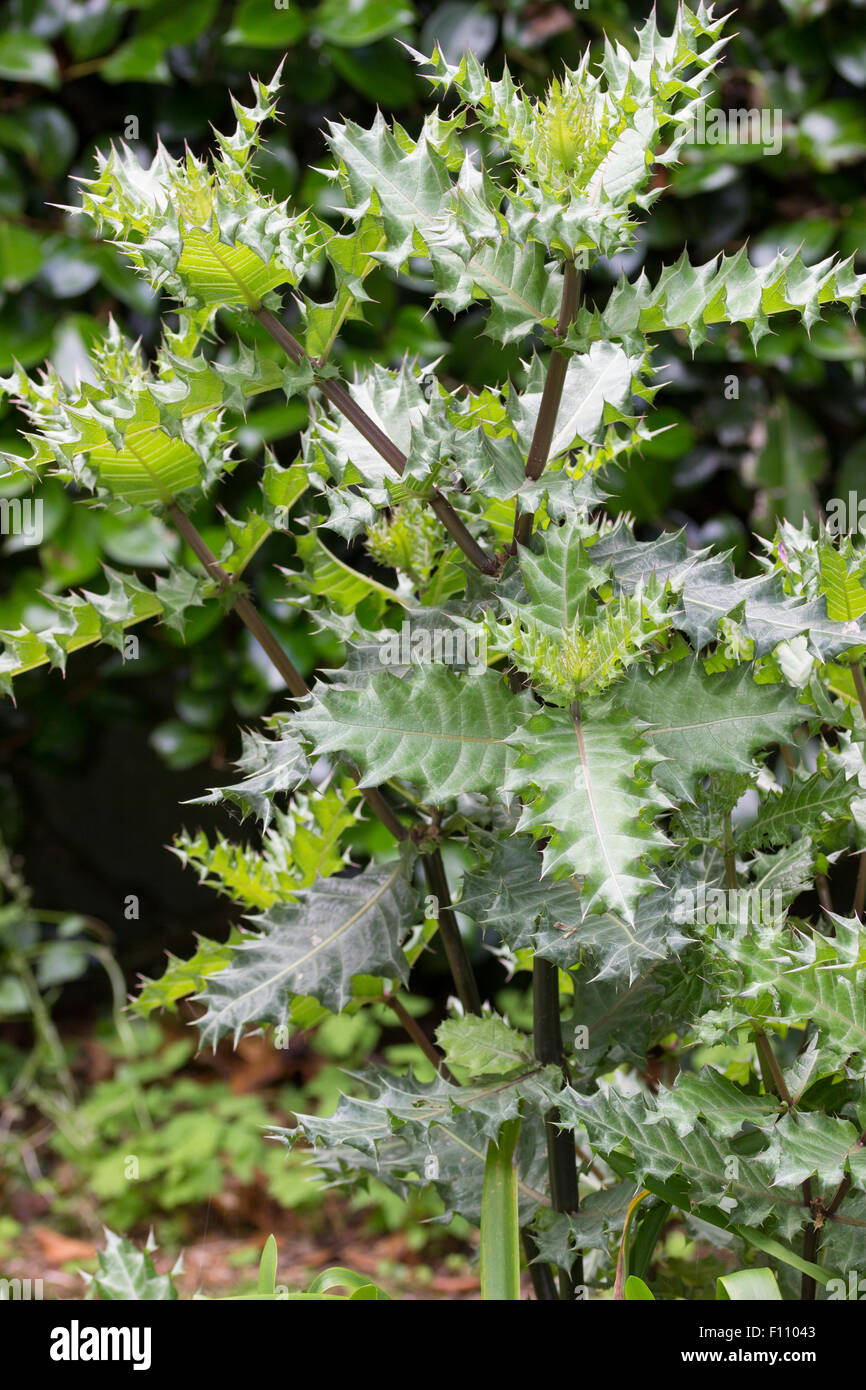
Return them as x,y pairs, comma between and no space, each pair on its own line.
95,766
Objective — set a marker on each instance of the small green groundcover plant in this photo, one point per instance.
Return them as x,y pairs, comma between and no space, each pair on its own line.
649,766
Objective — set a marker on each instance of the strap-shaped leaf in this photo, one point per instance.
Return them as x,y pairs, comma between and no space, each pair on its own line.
445,733
339,928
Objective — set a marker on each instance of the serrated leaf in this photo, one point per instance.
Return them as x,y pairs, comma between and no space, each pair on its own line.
728,289
126,1274
485,1046
272,766
446,733
659,1151
598,389
810,1144
411,1134
846,597
405,188
337,929
803,807
709,723
584,786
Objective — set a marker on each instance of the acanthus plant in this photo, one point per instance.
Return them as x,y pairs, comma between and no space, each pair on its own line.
646,729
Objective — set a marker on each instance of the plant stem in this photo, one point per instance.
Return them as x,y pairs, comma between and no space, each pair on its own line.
822,888
772,1072
730,856
859,685
242,605
860,889
547,1032
811,1236
543,1284
842,1190
335,392
774,1081
458,961
561,1160
551,396
418,1036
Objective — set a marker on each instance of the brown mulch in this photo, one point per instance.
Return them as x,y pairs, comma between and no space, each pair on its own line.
209,1266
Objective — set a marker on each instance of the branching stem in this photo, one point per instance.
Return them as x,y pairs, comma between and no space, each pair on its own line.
551,397
335,392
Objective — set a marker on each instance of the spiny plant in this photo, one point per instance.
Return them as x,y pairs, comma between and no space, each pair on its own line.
646,743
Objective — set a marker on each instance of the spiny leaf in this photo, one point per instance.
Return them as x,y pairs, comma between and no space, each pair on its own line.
584,784
728,289
271,766
126,1274
510,897
302,846
206,235
802,807
447,734
326,575
410,1134
598,389
338,928
742,1186
708,723
485,1046
810,1144
405,188
181,978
